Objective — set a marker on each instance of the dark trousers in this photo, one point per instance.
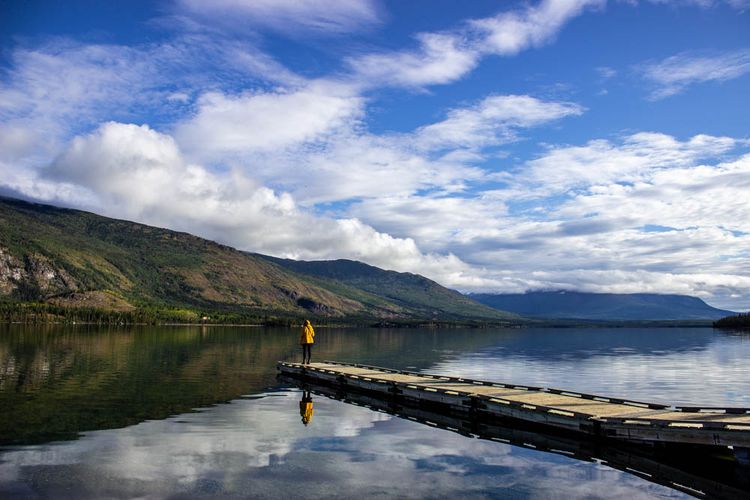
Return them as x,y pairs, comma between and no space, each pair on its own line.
306,353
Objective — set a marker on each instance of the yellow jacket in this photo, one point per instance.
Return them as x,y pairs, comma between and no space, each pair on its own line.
306,411
308,334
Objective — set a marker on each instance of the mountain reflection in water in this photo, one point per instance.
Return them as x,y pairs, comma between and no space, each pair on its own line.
126,400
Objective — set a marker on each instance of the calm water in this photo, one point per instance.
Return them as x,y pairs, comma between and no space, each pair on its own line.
181,412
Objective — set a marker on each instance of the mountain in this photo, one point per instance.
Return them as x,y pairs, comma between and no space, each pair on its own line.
410,291
602,306
74,259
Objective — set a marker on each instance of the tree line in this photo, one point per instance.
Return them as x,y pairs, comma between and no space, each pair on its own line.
41,312
740,321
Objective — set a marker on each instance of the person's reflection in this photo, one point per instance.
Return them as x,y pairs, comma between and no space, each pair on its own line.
306,407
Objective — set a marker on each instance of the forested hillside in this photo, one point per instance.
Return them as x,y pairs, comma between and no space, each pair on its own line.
53,260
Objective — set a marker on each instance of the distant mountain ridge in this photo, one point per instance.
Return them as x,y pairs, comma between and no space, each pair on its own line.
75,259
407,290
602,306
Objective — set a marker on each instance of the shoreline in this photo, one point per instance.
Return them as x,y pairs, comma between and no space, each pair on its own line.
436,325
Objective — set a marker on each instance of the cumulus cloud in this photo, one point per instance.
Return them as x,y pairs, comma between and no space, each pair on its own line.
301,143
681,197
62,88
135,172
17,141
678,228
311,142
647,213
675,74
601,162
252,154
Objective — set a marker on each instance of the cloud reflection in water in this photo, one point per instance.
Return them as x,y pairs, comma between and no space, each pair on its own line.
259,448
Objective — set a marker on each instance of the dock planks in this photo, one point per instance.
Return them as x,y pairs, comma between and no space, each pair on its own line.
688,469
612,418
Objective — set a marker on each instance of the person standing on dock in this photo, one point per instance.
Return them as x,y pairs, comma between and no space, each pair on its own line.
306,339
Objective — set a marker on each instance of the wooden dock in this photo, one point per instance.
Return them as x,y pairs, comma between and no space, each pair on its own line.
690,469
600,416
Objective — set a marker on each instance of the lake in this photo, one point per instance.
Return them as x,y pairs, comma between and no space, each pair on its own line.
184,412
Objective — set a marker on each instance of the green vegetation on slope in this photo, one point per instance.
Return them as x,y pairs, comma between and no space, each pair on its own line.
408,290
60,262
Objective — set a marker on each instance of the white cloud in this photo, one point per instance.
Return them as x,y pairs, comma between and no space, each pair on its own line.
445,57
605,72
675,74
436,221
311,142
642,214
491,122
441,58
511,32
260,446
353,166
306,137
599,239
601,162
58,78
286,149
288,16
266,121
17,141
133,167
63,88
135,172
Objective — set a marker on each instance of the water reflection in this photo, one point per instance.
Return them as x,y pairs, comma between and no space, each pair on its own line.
257,448
56,382
696,470
673,366
306,407
129,396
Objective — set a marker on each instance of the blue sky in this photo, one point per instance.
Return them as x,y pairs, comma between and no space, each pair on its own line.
492,146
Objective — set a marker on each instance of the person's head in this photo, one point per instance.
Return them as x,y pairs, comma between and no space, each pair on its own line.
307,321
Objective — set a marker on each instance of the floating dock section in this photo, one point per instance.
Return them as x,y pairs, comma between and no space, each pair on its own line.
599,416
688,469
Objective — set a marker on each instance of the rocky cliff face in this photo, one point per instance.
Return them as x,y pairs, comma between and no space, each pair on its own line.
33,277
10,273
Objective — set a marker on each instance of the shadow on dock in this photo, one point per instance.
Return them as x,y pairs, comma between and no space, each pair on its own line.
700,471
